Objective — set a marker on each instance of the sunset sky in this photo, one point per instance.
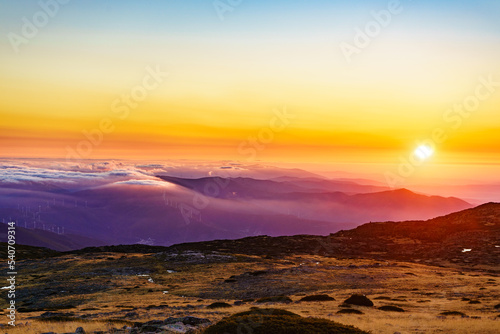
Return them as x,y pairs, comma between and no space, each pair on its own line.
228,77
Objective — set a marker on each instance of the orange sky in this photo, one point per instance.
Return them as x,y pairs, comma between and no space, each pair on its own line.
226,81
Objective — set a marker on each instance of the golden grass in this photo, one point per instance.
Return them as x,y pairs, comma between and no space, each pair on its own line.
37,327
423,291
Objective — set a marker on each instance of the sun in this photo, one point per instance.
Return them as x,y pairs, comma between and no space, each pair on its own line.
423,152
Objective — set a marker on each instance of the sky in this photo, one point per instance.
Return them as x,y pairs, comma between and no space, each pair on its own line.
352,82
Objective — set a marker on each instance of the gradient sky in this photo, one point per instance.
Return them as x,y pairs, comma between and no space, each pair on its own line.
227,76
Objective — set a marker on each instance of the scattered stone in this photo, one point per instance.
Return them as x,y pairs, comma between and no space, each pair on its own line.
192,321
149,328
131,315
80,330
359,300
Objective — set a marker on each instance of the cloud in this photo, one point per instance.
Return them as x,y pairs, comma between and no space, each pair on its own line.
146,183
93,173
16,174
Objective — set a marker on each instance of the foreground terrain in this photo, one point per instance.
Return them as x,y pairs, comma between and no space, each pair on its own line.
105,290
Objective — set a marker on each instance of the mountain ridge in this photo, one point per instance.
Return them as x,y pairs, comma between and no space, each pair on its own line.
477,229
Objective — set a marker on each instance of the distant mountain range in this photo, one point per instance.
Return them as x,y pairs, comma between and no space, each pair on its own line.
166,210
469,238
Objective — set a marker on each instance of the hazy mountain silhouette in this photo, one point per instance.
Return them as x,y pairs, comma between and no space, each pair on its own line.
167,210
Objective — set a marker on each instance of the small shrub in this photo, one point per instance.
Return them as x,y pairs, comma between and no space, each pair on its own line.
316,298
265,321
219,305
360,300
497,306
274,299
390,308
453,313
474,302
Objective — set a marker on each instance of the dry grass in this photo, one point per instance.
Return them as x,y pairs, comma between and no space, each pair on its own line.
422,291
37,327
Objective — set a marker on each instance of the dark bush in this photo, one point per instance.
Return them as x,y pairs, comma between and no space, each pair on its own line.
390,308
316,298
454,313
360,300
274,321
219,305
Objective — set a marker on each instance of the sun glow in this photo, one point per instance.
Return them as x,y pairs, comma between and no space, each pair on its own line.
424,152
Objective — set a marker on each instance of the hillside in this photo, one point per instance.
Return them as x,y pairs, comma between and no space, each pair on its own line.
441,241
47,239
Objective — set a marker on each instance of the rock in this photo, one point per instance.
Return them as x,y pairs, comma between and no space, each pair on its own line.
80,330
149,328
178,328
360,300
192,321
131,315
